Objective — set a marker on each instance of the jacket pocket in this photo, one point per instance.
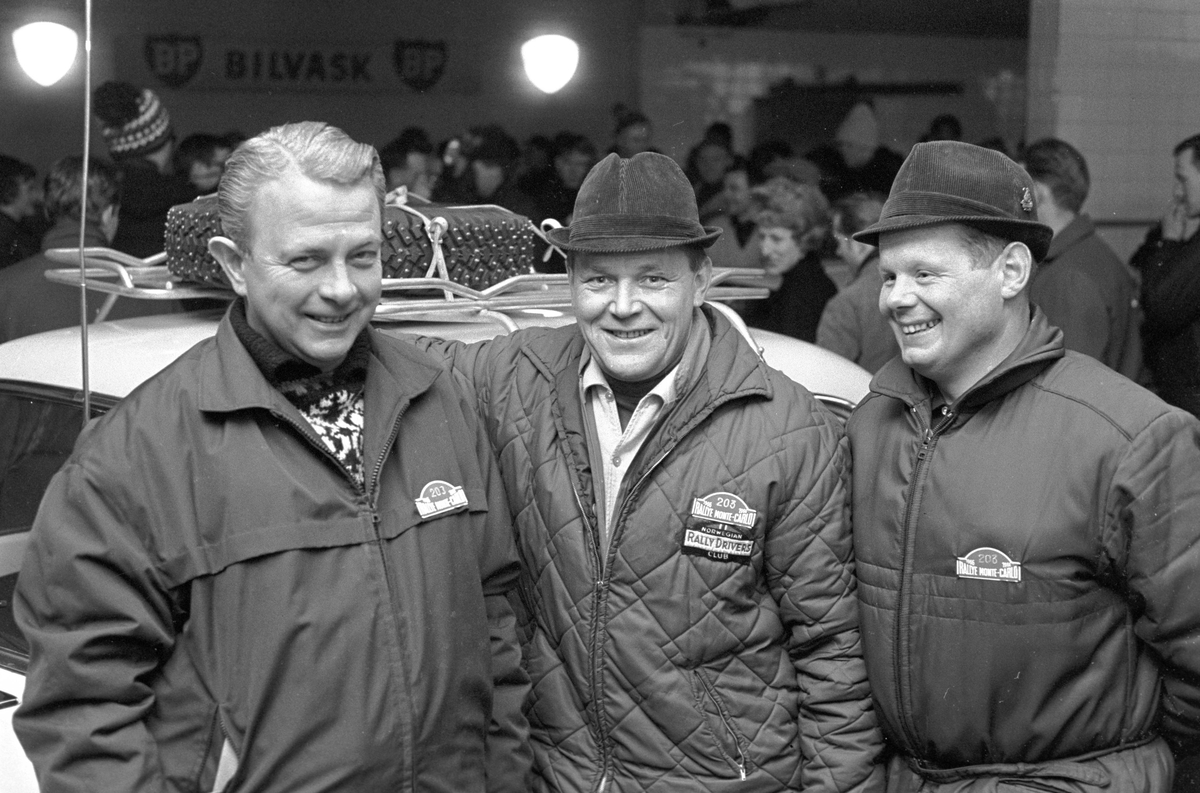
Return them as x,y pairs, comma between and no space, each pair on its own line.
731,744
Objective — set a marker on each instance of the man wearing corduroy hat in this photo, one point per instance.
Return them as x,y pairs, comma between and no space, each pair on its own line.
687,599
1026,521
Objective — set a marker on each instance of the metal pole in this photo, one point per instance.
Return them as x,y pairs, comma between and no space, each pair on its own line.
83,202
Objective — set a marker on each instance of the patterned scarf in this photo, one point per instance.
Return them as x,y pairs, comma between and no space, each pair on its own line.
331,402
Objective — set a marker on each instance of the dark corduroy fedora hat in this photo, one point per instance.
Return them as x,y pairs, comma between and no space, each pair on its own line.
952,182
643,203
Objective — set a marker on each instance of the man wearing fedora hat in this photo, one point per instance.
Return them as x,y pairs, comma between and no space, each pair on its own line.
1026,521
687,602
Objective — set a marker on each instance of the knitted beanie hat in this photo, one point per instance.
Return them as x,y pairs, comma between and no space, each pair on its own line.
859,127
134,121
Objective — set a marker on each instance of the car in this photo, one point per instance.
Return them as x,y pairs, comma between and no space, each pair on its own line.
42,397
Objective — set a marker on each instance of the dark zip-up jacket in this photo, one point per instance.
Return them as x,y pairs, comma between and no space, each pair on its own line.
214,603
1028,563
652,668
1171,305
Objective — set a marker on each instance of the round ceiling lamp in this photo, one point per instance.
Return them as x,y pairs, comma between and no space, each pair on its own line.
45,50
550,61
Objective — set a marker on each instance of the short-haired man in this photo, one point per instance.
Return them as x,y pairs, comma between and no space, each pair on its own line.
1026,521
282,563
1169,261
20,203
1081,285
31,304
408,162
687,605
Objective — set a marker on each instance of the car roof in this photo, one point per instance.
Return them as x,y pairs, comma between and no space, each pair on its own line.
125,353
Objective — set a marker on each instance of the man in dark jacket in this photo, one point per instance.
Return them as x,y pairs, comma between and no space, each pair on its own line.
1169,261
282,563
31,304
1081,285
686,605
20,210
1026,520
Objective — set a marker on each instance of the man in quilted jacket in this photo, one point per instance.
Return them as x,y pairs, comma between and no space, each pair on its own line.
1026,520
687,603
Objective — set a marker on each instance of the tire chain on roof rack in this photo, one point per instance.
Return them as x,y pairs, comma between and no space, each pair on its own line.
483,246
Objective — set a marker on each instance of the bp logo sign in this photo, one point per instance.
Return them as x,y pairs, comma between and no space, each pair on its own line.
419,63
174,59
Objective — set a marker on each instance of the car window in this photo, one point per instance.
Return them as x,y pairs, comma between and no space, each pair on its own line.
38,427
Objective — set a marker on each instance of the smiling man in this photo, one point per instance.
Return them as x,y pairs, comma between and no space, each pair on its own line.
282,563
1026,521
687,610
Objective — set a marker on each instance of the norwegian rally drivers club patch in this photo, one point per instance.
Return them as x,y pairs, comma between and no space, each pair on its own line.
717,528
439,497
988,564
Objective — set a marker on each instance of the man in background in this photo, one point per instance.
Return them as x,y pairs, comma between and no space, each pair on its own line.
1081,285
1169,261
20,211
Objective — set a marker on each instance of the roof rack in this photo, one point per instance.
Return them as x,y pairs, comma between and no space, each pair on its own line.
117,274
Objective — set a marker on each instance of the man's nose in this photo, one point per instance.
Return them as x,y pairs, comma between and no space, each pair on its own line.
896,295
626,300
335,282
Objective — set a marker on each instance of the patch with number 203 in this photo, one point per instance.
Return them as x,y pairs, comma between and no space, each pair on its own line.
717,529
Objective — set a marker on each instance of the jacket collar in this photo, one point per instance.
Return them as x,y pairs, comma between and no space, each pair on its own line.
231,381
1041,346
65,234
1076,230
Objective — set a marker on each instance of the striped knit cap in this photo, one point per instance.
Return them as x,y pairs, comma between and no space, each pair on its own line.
142,127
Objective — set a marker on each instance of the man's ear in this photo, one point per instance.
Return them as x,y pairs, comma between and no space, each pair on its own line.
232,261
703,281
1016,263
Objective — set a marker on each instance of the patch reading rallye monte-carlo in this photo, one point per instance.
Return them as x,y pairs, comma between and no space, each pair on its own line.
988,564
716,529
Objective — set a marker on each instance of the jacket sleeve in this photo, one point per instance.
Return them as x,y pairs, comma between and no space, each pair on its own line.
1072,302
838,329
810,569
1171,301
509,756
1154,511
98,625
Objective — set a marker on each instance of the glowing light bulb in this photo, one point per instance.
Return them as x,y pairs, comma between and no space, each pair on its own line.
45,50
550,61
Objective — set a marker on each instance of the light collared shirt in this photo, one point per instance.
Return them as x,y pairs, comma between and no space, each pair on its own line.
615,448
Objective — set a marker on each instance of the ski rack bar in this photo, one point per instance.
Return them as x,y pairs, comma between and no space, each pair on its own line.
404,299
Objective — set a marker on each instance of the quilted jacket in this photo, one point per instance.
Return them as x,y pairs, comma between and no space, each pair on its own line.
657,670
213,603
1027,563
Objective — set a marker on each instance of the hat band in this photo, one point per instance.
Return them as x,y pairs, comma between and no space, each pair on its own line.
608,226
918,202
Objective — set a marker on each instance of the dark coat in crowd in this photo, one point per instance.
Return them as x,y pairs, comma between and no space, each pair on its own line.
29,303
1171,307
146,195
17,242
1089,294
794,309
1027,564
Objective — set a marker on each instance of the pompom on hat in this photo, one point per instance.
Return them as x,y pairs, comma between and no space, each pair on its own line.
949,181
134,121
643,203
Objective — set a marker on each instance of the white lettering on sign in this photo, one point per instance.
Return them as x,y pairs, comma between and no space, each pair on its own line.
988,564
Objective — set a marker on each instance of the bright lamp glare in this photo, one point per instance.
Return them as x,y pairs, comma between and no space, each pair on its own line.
45,50
550,61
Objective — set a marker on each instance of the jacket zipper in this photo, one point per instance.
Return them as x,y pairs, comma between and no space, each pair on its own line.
908,536
741,761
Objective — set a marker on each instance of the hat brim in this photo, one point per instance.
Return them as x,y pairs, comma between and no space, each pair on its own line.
561,237
1036,236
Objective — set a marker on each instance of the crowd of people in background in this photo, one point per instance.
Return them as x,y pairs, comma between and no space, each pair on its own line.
790,213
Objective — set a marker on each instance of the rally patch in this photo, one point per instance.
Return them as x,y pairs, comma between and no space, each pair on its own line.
440,498
988,564
716,541
724,508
